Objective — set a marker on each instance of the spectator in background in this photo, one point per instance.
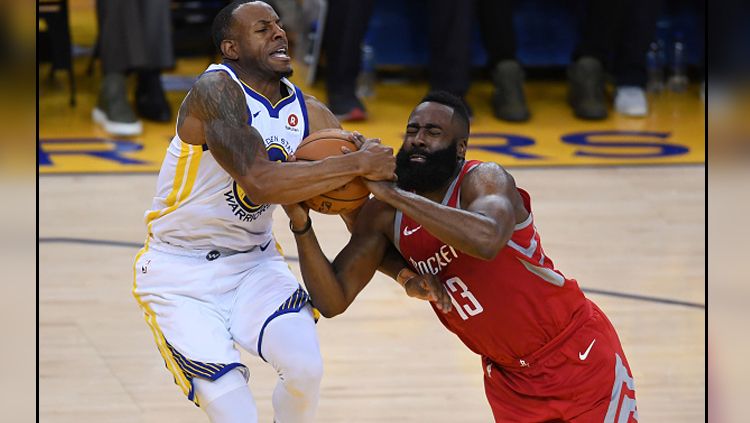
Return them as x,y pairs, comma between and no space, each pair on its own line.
134,36
346,24
613,32
728,50
345,27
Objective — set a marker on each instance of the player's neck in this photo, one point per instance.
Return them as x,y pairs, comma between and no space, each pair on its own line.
268,86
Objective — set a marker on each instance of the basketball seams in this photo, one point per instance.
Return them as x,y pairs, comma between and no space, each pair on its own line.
347,200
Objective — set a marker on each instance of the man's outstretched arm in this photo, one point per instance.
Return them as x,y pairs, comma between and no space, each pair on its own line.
480,229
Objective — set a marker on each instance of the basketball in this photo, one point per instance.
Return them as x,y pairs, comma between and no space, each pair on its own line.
327,143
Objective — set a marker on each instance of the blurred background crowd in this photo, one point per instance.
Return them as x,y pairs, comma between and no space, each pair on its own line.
613,54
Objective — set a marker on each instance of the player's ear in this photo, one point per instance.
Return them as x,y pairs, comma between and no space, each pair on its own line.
229,49
461,147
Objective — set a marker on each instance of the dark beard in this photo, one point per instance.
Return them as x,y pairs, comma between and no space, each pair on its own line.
434,173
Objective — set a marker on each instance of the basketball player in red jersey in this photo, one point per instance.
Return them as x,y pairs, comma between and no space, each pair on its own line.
548,352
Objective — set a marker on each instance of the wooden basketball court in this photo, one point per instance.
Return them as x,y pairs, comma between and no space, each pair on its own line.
622,230
626,221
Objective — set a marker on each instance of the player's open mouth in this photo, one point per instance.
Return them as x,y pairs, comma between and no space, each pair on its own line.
280,53
417,158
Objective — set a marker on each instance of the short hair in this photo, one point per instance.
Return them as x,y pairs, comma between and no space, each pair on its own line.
447,99
223,21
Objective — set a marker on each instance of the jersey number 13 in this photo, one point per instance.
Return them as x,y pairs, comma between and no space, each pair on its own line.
463,300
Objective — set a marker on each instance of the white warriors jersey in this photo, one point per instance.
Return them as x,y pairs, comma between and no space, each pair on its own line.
198,205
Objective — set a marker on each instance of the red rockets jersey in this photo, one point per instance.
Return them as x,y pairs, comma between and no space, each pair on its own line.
507,308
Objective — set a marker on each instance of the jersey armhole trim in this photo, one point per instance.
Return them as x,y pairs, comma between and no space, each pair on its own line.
397,229
303,107
471,166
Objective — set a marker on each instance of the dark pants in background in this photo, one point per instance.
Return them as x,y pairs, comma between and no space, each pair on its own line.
449,23
346,25
134,34
616,32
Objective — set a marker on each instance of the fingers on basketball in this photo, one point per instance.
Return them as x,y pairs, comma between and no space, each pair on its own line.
328,143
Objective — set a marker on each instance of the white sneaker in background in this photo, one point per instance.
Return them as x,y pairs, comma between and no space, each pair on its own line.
113,127
113,112
631,101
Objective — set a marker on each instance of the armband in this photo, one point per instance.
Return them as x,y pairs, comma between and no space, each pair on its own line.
304,230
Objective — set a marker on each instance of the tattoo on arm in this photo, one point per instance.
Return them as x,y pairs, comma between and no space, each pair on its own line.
219,103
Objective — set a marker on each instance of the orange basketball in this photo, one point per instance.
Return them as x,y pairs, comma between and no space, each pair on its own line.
327,143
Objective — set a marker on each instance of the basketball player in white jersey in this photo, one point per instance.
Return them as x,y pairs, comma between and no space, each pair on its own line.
209,275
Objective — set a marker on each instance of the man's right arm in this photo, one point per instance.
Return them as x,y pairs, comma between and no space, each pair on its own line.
215,113
490,208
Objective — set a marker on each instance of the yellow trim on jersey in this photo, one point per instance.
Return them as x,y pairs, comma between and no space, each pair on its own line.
281,251
185,174
242,197
316,313
179,174
269,101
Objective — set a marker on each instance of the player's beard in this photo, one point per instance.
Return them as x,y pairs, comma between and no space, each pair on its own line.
434,173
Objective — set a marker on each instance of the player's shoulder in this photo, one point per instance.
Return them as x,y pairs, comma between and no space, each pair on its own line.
487,171
212,78
487,178
215,83
312,101
214,94
319,115
315,105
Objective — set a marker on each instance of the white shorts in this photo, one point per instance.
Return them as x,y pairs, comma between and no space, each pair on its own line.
198,304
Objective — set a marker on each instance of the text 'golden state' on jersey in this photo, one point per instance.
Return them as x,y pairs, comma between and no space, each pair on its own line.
198,205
